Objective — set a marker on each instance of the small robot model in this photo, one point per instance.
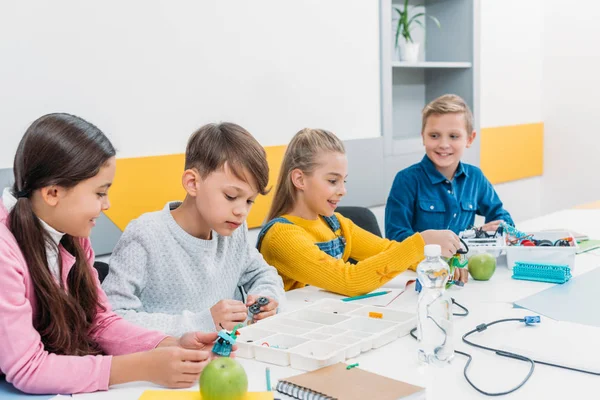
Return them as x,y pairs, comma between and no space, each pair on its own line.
225,341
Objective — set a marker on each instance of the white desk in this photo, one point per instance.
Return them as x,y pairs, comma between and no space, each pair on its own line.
486,301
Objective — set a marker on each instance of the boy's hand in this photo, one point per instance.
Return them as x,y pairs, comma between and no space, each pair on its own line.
461,274
448,241
265,311
491,226
228,313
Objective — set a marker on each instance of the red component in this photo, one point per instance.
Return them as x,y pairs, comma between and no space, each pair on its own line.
527,242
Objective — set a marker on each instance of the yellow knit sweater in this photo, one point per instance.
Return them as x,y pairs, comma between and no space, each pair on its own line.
292,250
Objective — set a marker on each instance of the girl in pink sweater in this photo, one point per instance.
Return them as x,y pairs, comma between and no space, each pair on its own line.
58,332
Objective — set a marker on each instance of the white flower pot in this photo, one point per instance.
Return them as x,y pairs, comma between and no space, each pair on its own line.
409,52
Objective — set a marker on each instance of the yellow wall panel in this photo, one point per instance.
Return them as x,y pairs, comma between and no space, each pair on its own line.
589,206
145,184
510,153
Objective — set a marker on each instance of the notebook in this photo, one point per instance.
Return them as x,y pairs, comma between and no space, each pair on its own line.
588,245
337,382
195,395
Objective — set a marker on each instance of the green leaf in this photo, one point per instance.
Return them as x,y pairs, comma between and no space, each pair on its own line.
414,18
437,22
420,23
398,28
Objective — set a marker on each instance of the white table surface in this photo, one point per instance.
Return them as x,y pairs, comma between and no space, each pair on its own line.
555,341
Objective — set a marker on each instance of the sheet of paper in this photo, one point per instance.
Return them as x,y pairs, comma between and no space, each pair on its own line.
573,301
400,281
380,301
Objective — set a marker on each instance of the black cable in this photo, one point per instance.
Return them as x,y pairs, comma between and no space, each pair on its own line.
508,354
466,247
502,353
463,314
481,328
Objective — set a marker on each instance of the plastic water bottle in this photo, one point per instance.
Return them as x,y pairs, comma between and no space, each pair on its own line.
435,329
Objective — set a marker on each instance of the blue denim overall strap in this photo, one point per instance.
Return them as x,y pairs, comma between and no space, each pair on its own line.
268,226
334,247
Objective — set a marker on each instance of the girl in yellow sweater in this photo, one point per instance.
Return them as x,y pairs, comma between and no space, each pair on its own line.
310,244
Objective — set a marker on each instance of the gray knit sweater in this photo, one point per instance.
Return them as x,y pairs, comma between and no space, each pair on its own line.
165,279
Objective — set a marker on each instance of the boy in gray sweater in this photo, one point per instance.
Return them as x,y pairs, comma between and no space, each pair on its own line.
191,266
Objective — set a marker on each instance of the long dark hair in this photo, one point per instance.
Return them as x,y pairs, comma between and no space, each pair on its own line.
62,150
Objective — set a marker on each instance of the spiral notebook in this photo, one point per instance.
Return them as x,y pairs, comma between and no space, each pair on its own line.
336,382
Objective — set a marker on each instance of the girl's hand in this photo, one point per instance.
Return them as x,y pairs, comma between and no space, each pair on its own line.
174,367
201,341
448,241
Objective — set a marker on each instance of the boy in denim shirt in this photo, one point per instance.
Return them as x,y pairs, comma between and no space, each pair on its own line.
441,192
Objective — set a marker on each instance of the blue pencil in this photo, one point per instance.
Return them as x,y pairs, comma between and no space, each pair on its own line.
366,296
268,374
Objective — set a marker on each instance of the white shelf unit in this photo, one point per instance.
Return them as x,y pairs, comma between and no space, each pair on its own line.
432,64
448,63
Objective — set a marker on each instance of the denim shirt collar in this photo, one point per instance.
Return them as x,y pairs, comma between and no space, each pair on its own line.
436,176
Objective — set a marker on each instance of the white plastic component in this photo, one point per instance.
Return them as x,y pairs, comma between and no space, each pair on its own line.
407,321
274,325
331,330
276,349
334,306
298,324
540,254
366,343
317,336
353,344
248,336
317,317
321,334
383,332
494,246
316,354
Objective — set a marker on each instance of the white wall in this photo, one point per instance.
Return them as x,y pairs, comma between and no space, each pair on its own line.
511,84
149,72
571,106
511,62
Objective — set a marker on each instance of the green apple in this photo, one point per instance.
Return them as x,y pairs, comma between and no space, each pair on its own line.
482,266
223,379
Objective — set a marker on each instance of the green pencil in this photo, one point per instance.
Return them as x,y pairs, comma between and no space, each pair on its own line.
268,375
366,296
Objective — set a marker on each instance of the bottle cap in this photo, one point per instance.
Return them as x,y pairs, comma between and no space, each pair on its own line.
433,250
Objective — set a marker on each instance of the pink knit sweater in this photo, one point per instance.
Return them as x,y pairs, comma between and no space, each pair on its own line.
23,359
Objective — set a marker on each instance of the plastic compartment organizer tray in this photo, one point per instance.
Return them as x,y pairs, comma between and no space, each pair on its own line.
324,333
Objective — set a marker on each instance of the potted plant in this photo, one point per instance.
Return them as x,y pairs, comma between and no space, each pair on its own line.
407,47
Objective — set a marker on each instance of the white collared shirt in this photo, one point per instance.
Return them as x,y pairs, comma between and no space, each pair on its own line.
52,247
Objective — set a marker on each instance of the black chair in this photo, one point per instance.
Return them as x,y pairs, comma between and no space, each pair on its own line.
362,217
102,269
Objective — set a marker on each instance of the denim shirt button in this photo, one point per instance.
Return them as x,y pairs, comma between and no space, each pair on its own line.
431,207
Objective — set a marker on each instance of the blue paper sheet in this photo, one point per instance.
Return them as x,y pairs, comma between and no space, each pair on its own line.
574,301
8,392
